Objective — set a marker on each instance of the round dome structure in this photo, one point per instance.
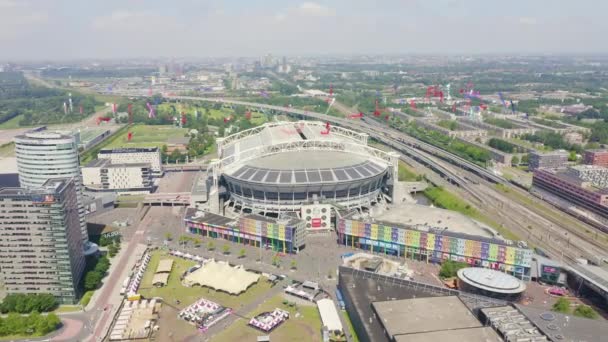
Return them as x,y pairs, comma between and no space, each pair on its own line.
490,283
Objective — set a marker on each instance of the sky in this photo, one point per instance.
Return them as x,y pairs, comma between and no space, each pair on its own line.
75,29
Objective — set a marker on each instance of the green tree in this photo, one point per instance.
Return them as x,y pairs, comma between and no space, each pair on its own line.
112,250
104,241
276,261
572,156
562,305
242,253
449,268
211,245
226,249
585,311
197,242
168,236
294,264
514,161
92,280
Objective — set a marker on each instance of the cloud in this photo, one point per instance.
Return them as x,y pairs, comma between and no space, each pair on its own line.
315,9
19,19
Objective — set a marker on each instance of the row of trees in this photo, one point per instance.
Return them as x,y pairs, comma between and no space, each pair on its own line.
553,140
34,324
27,303
95,271
505,146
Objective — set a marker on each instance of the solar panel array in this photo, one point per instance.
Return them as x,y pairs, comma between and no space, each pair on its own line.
341,174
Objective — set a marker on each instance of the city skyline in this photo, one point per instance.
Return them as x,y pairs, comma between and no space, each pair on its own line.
65,29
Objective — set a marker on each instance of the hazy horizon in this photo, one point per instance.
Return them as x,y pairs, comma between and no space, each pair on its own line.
113,29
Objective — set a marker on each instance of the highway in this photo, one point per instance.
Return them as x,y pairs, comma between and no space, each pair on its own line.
541,228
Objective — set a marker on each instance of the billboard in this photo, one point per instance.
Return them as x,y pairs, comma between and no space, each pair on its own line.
317,216
43,199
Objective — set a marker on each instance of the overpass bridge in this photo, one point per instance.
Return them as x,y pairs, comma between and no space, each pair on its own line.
168,199
184,167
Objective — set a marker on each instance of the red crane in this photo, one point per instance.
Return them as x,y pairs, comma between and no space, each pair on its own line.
184,119
248,115
226,120
412,104
377,111
129,136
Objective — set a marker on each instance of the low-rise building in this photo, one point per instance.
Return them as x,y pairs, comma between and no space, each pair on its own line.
596,157
596,175
102,175
150,155
547,160
286,234
41,246
572,189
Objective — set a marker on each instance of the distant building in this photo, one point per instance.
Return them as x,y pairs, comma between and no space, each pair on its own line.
596,157
597,176
150,155
547,160
572,189
41,246
102,175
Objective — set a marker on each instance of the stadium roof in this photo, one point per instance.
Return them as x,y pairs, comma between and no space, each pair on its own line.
309,167
418,315
329,315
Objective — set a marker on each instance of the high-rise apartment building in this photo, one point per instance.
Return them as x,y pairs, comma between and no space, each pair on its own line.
41,246
46,155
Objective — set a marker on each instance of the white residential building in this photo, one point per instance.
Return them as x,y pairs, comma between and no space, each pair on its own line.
150,155
47,155
102,175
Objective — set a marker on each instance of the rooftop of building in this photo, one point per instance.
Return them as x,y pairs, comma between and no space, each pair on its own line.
421,217
107,163
565,327
491,280
583,167
178,140
420,315
597,150
44,135
597,275
195,215
550,153
128,150
51,186
480,334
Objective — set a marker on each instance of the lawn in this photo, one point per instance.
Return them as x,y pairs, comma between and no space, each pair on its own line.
7,150
307,327
146,136
12,123
406,173
351,329
188,295
447,200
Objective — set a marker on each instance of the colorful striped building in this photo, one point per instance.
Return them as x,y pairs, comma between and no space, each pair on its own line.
287,236
435,246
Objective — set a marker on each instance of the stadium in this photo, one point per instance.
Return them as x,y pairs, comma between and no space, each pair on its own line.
281,166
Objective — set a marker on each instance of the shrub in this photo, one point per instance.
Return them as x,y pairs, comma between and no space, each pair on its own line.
562,305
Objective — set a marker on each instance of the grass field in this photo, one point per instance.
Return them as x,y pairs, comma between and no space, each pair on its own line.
351,329
146,136
90,133
447,200
406,173
188,295
306,327
12,123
